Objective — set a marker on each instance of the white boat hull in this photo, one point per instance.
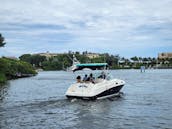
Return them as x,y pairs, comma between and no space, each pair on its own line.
101,89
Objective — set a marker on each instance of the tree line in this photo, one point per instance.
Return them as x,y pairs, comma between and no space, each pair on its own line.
63,61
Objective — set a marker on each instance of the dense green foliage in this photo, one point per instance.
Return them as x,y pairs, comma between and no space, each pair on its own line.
2,43
10,68
62,61
35,60
2,78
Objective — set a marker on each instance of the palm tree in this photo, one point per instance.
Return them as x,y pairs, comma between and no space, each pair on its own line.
2,43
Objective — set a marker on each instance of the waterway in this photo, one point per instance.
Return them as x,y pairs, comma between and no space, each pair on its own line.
40,102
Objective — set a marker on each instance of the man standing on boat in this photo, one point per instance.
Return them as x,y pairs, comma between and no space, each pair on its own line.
85,78
91,78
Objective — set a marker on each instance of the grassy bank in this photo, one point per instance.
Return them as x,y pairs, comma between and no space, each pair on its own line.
11,69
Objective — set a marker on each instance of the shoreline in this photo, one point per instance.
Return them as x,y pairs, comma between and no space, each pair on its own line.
14,69
4,79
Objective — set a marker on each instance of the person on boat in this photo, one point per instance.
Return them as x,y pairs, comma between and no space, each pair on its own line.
85,78
103,75
91,78
78,78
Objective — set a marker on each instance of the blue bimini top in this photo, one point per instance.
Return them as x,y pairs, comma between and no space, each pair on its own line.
92,66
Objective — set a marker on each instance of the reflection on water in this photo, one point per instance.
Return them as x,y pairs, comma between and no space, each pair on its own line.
3,92
39,102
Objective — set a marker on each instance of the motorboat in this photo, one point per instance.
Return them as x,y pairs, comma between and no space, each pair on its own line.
74,63
101,87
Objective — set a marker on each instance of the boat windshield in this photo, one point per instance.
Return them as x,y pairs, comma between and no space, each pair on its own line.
94,77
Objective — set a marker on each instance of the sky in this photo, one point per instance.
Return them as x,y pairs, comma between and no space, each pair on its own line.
125,27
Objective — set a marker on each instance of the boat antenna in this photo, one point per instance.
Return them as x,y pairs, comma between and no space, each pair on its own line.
75,61
70,58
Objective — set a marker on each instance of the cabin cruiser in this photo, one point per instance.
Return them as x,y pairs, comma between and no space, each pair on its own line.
101,87
74,63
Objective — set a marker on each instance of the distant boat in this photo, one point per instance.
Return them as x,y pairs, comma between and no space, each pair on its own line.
100,87
74,63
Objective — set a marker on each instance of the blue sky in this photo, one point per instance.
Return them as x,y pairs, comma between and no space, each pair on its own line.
124,27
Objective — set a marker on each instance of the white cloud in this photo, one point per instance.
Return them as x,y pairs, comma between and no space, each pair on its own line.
91,24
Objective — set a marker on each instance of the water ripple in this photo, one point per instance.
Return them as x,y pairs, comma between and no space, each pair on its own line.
39,102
